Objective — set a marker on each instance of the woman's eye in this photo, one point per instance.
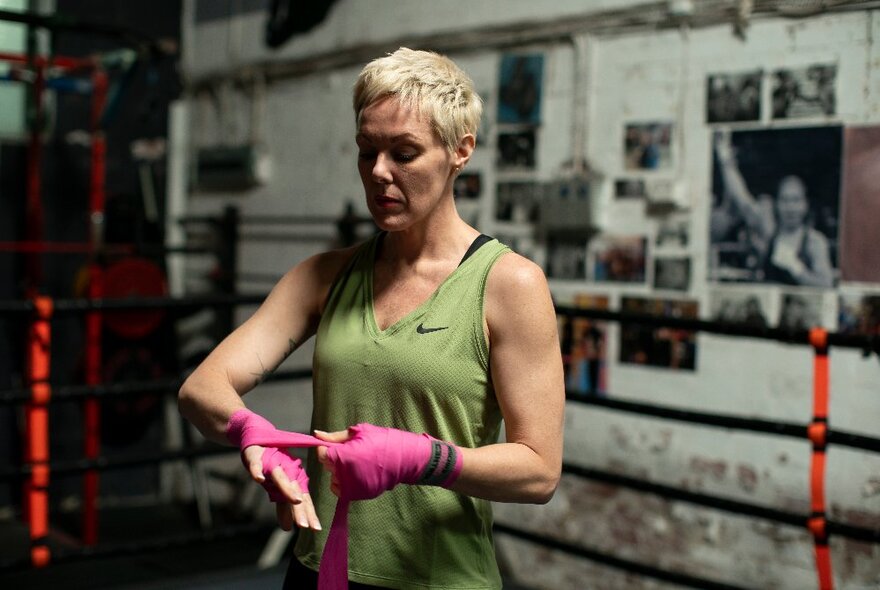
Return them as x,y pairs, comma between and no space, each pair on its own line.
366,156
404,157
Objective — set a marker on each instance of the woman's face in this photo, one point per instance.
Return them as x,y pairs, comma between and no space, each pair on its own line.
791,203
405,168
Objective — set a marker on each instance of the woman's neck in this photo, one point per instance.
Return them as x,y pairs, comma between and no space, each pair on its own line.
794,230
444,235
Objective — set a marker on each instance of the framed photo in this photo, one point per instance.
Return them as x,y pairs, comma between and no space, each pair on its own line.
672,273
733,98
658,347
619,259
584,349
740,307
520,88
516,150
648,146
805,92
859,254
775,206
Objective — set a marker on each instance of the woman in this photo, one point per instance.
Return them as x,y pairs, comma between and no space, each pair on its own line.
790,250
427,327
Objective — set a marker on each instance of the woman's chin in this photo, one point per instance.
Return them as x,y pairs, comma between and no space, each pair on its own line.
391,223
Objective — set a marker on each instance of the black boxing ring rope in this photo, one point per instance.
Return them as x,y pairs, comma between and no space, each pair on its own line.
626,565
126,388
838,437
144,546
867,344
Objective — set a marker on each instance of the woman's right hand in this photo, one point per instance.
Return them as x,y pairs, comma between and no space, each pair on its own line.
723,146
293,505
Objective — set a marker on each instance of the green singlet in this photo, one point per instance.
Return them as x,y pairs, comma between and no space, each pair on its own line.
429,372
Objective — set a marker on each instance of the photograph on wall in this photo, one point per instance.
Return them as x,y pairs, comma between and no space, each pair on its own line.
672,273
566,257
619,259
517,201
629,188
671,348
732,98
859,313
468,185
859,252
648,146
519,88
805,92
775,206
516,150
583,343
673,231
800,311
751,308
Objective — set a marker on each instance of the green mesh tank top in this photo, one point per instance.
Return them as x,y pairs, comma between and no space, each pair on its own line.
429,372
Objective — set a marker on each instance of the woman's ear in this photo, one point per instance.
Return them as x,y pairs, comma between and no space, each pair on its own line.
463,151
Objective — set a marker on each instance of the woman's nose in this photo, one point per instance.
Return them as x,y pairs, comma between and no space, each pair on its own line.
382,169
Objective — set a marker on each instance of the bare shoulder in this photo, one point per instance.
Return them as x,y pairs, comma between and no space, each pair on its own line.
513,273
516,287
816,239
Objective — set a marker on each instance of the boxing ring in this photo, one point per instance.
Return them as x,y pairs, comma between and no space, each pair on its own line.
39,313
39,469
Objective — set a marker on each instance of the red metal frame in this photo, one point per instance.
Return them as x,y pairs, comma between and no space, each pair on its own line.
92,414
36,496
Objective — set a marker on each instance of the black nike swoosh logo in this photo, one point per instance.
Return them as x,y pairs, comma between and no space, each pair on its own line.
421,329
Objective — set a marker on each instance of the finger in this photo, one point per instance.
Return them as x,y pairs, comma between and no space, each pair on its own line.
338,436
290,489
305,516
311,515
284,513
322,455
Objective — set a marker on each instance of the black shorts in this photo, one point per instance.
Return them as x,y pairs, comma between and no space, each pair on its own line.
299,577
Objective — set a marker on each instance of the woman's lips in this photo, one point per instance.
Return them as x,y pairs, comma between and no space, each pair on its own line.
386,202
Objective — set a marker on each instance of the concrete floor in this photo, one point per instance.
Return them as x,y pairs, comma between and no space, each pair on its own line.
223,564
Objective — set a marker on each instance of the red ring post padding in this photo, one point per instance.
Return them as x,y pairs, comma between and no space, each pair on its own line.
817,433
37,430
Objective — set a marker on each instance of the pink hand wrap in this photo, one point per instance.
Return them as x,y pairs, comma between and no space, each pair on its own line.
246,428
373,460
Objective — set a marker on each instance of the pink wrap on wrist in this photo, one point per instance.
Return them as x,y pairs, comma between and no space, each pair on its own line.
245,428
374,459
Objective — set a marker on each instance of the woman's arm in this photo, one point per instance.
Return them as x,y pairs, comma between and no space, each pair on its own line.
288,317
736,190
212,393
820,273
526,366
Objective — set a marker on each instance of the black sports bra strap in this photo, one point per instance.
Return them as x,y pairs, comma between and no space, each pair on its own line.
475,245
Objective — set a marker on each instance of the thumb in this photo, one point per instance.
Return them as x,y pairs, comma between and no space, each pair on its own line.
253,456
339,436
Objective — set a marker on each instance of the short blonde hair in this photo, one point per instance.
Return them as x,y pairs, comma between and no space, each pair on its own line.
431,83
